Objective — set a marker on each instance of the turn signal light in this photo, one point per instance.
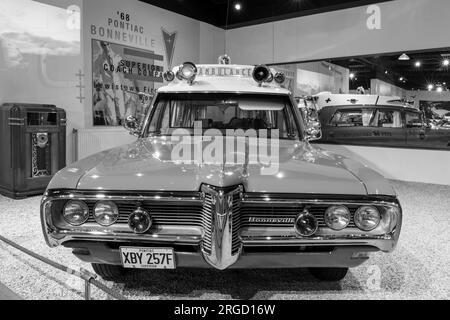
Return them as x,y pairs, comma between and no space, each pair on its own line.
140,221
306,224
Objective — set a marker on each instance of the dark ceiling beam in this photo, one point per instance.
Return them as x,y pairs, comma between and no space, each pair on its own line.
254,11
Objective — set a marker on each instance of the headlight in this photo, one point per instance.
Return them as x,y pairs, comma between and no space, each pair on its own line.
106,213
367,218
76,212
337,217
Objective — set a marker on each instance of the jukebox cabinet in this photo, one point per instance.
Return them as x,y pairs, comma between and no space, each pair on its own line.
33,147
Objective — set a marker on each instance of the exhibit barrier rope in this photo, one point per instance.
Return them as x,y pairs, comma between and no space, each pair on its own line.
88,278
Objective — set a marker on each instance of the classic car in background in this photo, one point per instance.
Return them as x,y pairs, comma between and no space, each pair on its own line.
378,121
136,207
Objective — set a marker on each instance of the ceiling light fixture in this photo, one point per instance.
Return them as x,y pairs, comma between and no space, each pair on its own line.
404,57
238,6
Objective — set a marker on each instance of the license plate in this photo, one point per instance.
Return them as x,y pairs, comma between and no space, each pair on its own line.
147,258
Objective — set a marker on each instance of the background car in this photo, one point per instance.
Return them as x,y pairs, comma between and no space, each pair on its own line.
386,124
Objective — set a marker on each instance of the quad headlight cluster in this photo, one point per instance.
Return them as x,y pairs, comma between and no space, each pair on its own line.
105,213
338,217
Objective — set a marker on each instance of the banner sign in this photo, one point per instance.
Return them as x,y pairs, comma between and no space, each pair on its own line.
120,73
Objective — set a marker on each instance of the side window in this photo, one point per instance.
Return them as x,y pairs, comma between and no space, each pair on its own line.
153,126
385,118
348,118
413,119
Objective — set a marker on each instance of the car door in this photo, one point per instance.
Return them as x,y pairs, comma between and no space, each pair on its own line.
422,135
387,128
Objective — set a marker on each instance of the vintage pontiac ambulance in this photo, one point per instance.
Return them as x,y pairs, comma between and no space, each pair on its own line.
200,189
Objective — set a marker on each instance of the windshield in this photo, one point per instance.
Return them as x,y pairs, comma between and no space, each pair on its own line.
223,112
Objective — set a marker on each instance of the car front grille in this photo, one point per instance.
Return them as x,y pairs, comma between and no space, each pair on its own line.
201,214
287,212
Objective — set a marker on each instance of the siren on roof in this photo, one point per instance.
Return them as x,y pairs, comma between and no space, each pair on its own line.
262,74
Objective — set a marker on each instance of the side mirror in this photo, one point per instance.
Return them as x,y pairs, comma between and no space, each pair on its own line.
132,125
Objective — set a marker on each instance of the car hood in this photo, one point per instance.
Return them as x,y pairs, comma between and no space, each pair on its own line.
149,165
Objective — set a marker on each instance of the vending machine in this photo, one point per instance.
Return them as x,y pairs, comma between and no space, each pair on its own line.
32,146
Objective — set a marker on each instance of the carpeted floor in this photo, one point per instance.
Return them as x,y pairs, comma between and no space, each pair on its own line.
418,269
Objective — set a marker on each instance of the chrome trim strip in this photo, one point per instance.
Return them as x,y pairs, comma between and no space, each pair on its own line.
265,200
116,237
98,195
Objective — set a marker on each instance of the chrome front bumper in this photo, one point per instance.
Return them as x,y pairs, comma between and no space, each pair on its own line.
348,256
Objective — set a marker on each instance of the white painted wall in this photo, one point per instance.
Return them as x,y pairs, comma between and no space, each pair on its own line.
40,55
401,164
405,25
382,88
212,43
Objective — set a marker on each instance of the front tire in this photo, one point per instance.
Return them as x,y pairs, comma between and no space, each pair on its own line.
109,272
329,274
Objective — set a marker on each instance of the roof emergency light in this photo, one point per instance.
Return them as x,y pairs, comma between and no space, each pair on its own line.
224,59
280,77
188,71
169,76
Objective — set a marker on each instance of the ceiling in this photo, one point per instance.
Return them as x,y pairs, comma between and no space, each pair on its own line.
404,74
252,12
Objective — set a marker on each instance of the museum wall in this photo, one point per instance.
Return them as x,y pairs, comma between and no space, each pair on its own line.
395,26
40,56
321,76
383,88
